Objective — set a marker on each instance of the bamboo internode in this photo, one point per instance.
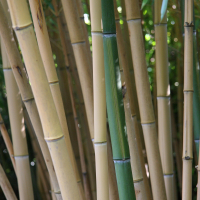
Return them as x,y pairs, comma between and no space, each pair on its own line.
188,102
100,130
163,98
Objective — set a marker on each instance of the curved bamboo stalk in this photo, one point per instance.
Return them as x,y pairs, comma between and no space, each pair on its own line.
7,140
54,137
5,185
100,138
114,102
188,98
138,167
144,99
82,61
18,132
47,58
163,98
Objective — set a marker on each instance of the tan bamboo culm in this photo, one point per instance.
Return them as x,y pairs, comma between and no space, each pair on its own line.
26,93
54,137
81,57
144,99
100,129
18,131
5,186
47,58
163,98
188,103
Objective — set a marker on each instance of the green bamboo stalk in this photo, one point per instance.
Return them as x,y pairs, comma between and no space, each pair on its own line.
144,99
188,99
100,130
114,102
5,185
163,98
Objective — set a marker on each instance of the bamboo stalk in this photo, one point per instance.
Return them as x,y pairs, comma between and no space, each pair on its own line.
84,28
188,98
5,185
163,98
100,138
82,61
54,137
18,132
7,141
138,167
114,102
47,57
144,99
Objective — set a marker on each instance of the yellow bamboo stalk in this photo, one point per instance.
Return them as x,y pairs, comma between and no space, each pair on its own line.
47,58
54,137
7,141
188,103
27,96
100,138
82,61
5,186
68,52
144,99
131,120
163,98
18,132
84,28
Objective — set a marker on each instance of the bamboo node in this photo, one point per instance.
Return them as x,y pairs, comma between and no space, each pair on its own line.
189,24
187,157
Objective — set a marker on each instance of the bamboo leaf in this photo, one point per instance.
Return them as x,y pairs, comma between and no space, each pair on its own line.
144,2
163,9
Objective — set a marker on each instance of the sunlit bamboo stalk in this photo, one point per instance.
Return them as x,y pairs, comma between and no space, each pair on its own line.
100,130
188,99
82,61
163,98
5,186
7,141
18,131
47,58
144,99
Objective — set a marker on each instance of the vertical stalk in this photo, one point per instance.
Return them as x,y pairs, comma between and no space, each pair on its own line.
163,98
114,102
188,99
22,25
136,147
5,185
100,138
18,131
81,57
47,58
144,99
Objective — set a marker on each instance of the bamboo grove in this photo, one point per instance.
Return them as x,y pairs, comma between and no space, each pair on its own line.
99,99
